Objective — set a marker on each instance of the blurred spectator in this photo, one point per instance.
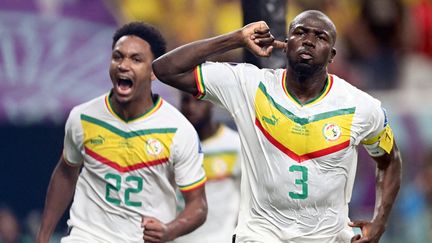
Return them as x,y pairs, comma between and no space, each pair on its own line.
10,230
425,184
421,13
375,42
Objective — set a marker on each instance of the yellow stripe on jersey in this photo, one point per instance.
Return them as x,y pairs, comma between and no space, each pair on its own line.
194,185
126,151
302,138
199,82
218,165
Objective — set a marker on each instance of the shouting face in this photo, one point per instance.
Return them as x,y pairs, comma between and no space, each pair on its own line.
130,70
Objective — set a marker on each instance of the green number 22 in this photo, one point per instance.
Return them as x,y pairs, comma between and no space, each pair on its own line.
116,186
302,181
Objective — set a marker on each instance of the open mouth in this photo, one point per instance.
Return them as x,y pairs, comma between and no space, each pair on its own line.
124,86
124,83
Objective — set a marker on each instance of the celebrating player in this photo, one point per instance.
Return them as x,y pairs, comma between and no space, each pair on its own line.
123,154
300,128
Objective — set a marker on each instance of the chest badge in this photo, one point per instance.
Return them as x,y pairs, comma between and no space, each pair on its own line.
331,132
153,146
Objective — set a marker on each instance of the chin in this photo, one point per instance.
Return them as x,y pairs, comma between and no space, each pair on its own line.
304,68
122,99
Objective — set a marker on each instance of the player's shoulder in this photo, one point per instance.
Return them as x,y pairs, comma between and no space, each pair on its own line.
349,92
89,106
238,66
174,117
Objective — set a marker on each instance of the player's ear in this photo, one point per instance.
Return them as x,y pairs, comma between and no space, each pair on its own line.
332,55
153,76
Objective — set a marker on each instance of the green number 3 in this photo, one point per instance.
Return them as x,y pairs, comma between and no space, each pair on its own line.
302,181
116,186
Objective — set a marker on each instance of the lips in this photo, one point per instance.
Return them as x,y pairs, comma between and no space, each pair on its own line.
124,86
305,55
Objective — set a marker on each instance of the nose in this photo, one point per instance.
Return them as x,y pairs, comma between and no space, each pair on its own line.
123,65
309,40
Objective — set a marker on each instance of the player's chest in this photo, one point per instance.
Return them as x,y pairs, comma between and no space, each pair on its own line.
304,133
126,149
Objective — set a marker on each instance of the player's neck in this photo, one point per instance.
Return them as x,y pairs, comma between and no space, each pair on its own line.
305,87
133,109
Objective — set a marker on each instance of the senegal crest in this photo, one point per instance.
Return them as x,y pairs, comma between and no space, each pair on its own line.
331,132
153,146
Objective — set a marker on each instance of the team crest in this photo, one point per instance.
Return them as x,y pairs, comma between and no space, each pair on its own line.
153,146
219,167
331,132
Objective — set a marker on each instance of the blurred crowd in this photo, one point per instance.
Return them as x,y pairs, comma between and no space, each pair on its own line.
380,42
384,46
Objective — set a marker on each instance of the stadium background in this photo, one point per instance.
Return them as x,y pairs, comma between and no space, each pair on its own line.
54,54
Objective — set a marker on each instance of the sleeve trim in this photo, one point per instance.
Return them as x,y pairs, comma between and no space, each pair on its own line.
199,82
201,182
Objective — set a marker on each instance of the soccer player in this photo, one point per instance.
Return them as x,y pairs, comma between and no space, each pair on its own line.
221,147
299,128
123,154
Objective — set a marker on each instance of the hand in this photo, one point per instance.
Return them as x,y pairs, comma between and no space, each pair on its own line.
258,39
154,230
371,232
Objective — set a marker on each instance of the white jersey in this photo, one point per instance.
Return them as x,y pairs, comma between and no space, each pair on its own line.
299,160
130,168
222,167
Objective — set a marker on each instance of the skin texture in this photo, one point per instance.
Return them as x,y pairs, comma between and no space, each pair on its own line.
309,49
131,75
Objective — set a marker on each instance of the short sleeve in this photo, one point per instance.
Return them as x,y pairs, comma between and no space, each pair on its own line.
73,139
188,160
225,84
377,124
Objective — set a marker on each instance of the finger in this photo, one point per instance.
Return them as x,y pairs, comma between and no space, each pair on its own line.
146,220
260,36
280,44
265,51
261,28
152,226
150,239
153,233
357,223
264,41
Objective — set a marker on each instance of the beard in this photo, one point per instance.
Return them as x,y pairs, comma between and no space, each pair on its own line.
304,68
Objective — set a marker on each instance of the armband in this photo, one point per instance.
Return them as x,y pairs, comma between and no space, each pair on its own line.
380,144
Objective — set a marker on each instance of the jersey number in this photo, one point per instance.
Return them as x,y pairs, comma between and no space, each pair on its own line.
116,186
302,181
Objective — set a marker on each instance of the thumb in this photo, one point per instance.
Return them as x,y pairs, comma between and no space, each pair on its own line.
279,44
145,220
357,223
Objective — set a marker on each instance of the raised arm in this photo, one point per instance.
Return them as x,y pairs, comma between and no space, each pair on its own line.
193,216
388,180
60,192
175,68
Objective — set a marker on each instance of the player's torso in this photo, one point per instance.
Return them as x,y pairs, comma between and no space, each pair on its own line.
303,155
127,169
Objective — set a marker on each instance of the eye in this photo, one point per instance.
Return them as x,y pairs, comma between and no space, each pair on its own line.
116,56
136,60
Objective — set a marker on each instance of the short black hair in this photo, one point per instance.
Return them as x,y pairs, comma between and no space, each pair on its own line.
144,31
